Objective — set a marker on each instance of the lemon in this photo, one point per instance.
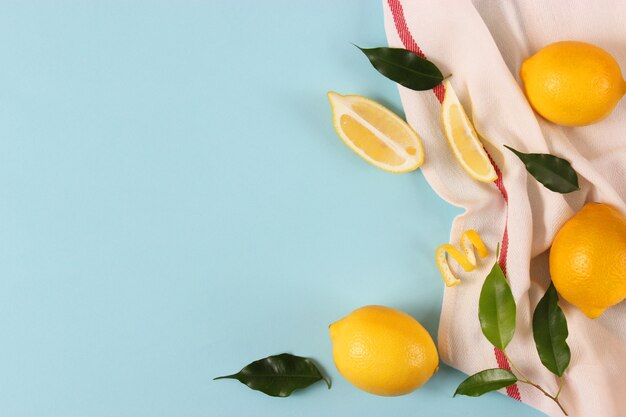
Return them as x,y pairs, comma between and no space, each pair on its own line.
463,139
376,134
572,83
383,351
588,259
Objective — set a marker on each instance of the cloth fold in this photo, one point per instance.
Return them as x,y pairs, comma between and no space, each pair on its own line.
482,44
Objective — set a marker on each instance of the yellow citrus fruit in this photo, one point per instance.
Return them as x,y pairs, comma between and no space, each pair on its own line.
588,259
376,134
383,351
572,83
463,139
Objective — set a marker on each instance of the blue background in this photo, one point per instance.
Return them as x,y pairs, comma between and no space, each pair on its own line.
175,204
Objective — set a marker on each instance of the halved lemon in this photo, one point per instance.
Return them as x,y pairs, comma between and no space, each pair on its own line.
376,134
463,139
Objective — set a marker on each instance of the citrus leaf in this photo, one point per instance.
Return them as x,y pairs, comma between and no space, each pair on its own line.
550,332
404,67
556,174
486,381
496,309
279,375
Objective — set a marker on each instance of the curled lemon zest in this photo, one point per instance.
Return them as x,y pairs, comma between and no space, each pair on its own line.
469,240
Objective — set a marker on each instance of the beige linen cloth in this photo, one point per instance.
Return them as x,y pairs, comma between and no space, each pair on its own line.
483,43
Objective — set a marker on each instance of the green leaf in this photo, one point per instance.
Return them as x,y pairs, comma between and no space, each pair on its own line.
556,174
404,67
496,309
550,332
486,381
279,375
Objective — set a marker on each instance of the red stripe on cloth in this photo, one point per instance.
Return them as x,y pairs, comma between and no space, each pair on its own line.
403,29
504,249
407,40
409,43
440,92
512,390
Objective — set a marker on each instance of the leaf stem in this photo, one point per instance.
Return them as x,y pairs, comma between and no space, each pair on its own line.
560,387
514,367
524,379
555,399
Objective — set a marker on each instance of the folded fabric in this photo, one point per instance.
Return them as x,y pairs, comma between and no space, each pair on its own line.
483,43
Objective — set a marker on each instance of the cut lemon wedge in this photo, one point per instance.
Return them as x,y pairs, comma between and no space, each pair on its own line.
376,134
463,139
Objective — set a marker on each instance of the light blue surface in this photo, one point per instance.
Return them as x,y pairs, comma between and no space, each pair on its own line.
175,204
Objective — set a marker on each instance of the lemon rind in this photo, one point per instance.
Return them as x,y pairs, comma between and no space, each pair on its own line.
412,162
450,99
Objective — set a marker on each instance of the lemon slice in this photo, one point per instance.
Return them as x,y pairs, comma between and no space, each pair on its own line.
463,139
376,134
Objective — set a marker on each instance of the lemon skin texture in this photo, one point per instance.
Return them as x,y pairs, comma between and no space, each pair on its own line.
572,83
383,351
588,259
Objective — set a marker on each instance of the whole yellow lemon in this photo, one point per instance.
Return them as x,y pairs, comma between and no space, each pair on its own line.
588,259
572,83
383,351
